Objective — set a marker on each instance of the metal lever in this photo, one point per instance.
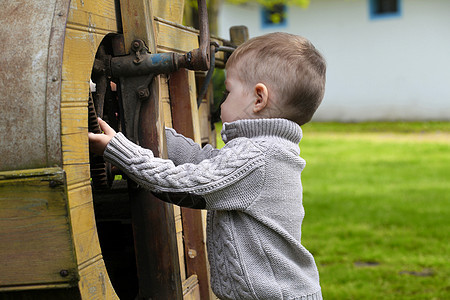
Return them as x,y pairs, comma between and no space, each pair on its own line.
137,70
201,55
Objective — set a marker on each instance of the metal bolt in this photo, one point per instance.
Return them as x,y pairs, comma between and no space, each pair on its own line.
53,184
143,93
192,253
136,44
64,273
54,78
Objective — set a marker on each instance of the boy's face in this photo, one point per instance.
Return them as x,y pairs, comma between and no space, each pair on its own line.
239,101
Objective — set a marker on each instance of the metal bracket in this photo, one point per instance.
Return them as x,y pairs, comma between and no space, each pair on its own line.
137,70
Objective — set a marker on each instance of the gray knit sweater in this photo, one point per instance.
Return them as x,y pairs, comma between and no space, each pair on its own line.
252,189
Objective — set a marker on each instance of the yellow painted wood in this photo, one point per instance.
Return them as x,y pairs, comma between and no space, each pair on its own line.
137,22
84,230
207,135
180,245
178,38
35,237
80,194
193,96
74,148
203,114
93,16
171,10
191,289
165,99
175,38
94,282
76,174
88,22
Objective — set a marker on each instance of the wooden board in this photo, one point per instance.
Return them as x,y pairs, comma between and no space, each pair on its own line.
88,22
171,10
35,236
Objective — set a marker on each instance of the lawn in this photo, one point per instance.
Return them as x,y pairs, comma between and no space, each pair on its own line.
377,201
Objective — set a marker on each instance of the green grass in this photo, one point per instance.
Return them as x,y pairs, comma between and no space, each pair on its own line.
399,127
378,209
377,201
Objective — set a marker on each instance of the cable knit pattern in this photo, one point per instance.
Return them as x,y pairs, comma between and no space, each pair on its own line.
183,150
253,193
229,263
159,175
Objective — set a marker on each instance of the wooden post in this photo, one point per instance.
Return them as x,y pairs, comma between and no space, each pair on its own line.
238,35
194,245
153,220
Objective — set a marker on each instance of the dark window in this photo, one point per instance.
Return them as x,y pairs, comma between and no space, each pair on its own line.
384,8
274,15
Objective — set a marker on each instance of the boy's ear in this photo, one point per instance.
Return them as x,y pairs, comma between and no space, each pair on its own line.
262,97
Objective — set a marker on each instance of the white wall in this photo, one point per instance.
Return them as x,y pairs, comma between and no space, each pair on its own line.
384,69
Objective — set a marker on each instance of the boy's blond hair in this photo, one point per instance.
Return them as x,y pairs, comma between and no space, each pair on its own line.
291,68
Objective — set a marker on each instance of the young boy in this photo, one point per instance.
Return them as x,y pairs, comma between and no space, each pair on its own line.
251,187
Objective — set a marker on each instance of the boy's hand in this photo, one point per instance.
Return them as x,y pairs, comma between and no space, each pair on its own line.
98,142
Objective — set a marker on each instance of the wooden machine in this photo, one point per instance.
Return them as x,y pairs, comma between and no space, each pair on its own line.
71,226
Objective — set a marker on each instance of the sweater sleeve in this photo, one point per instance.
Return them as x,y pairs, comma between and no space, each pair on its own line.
208,178
183,150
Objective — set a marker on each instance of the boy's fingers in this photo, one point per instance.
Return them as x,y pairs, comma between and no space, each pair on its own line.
93,137
105,127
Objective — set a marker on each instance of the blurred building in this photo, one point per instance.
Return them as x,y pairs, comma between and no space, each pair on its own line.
387,59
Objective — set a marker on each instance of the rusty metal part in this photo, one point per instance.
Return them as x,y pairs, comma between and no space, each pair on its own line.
199,59
135,65
208,76
97,163
53,91
152,220
215,47
164,63
101,75
30,82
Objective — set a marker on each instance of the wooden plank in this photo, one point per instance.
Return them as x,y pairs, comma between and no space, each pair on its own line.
153,221
75,120
35,238
165,99
84,230
88,22
93,15
204,115
184,113
171,10
181,39
80,194
180,244
175,38
191,288
196,135
137,22
79,52
76,174
75,148
94,283
75,93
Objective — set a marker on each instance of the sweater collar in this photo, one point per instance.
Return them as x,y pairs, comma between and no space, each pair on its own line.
251,128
